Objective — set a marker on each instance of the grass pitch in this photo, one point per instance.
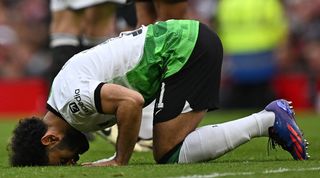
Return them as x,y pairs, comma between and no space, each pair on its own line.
249,160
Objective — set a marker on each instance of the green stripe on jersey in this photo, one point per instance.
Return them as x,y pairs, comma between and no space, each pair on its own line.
167,49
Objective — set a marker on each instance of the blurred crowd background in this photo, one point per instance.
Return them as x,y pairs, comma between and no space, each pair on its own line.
272,47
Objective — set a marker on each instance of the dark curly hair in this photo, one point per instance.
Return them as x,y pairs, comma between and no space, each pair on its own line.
26,148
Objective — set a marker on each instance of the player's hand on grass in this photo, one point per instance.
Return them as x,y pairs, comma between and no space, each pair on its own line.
101,163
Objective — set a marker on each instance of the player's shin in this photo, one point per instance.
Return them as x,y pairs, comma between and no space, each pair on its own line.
212,141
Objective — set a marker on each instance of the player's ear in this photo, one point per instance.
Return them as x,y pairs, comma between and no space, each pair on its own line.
49,139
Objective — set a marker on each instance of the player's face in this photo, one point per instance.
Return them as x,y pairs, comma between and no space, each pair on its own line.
62,157
67,150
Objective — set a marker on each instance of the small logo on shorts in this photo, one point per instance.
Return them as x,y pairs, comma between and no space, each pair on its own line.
73,107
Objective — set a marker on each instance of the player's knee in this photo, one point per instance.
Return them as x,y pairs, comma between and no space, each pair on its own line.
172,156
138,99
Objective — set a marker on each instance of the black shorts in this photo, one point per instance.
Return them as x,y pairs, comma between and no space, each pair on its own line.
196,85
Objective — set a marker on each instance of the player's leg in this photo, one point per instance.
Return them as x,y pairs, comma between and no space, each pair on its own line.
145,132
145,139
150,11
171,9
65,30
276,122
65,19
145,11
208,142
98,24
169,135
212,141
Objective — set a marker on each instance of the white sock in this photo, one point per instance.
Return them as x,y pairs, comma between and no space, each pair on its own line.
212,141
63,39
147,122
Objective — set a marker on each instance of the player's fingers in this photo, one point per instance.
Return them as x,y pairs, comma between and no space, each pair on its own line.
86,164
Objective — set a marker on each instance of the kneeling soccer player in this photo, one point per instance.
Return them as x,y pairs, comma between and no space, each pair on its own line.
176,62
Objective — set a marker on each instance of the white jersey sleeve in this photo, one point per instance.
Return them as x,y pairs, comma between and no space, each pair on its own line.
75,103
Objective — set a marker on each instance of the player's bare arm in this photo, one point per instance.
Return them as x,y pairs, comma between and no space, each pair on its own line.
127,106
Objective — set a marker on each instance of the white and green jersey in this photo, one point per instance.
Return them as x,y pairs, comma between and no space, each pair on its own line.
138,59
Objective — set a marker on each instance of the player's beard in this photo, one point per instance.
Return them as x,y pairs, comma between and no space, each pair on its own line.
74,140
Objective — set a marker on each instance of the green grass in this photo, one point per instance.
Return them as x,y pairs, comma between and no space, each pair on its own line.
249,160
